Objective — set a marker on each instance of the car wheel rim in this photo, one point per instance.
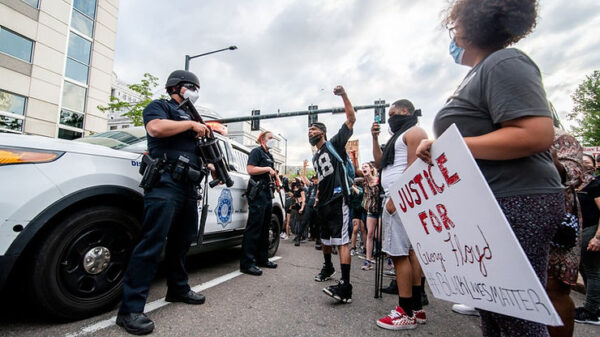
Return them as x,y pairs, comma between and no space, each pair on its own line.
94,261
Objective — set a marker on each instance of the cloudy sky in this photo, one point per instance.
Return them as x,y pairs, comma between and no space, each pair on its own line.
292,53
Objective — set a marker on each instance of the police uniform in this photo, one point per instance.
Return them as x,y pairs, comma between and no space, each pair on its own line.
170,210
255,244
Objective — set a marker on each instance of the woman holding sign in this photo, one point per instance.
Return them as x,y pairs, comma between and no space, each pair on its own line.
502,112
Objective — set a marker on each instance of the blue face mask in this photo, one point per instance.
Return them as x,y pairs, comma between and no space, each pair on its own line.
456,52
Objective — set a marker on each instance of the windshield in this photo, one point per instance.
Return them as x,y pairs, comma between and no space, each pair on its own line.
115,139
139,147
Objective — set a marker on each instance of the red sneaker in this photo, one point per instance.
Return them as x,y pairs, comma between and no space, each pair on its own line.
397,320
420,316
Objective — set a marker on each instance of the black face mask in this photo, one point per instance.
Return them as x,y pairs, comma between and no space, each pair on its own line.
398,121
314,140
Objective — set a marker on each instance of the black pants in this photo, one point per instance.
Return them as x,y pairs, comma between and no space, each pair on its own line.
255,245
170,209
310,216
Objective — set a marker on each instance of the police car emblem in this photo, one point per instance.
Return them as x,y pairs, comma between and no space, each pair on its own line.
224,208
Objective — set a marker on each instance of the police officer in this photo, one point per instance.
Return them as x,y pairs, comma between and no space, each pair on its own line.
170,206
255,244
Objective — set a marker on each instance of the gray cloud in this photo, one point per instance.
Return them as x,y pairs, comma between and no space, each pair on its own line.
293,52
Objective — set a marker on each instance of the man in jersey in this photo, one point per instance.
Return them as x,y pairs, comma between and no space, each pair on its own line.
398,154
333,212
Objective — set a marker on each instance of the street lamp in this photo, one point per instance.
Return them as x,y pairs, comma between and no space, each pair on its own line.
188,57
285,159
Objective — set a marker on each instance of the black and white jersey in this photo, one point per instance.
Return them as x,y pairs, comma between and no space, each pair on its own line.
330,171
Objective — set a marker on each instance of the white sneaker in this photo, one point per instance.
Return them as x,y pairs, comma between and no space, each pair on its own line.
465,310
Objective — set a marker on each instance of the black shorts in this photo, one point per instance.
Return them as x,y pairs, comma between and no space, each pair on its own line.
358,213
335,221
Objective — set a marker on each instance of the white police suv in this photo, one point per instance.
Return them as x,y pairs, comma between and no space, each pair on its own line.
70,214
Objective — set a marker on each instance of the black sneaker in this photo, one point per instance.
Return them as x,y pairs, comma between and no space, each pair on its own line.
582,315
325,274
341,291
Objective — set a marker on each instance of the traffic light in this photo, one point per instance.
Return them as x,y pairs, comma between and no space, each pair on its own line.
255,123
312,118
380,111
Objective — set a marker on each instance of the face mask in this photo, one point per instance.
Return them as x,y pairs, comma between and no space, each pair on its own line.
270,143
390,130
456,52
192,95
397,122
314,140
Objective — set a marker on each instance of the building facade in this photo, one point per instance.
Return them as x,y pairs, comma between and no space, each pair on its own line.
121,90
56,62
242,133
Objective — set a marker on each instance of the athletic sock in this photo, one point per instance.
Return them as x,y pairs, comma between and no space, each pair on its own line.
328,260
406,304
345,272
416,298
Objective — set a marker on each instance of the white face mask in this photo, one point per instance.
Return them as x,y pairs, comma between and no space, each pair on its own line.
192,95
270,143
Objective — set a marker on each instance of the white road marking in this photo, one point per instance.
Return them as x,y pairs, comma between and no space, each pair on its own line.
158,303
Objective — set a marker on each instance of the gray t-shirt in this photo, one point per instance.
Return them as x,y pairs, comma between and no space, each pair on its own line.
506,85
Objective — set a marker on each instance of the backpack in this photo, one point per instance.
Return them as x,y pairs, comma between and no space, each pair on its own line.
348,168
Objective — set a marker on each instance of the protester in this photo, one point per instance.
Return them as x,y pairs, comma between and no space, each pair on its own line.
332,198
170,206
589,198
299,203
255,244
372,205
564,263
310,215
502,112
358,219
398,154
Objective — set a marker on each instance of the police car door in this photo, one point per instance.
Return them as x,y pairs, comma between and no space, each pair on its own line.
227,208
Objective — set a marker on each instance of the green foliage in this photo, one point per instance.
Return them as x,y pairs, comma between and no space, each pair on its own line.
586,111
134,109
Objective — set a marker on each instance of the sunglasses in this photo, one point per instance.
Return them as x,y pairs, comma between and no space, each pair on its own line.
190,86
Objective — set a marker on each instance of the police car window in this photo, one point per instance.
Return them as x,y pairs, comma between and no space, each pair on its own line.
240,159
224,151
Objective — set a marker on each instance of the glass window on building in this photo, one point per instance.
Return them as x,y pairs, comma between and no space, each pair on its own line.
82,23
33,3
15,45
76,71
73,97
71,118
12,103
9,124
79,48
12,111
69,134
87,7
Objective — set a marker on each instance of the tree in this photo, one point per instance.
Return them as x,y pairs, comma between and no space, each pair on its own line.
586,111
134,109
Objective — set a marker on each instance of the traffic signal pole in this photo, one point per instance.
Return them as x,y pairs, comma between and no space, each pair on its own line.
300,113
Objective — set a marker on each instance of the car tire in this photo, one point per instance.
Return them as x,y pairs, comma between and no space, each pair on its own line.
274,230
78,268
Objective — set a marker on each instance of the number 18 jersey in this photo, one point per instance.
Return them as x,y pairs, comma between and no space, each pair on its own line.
330,171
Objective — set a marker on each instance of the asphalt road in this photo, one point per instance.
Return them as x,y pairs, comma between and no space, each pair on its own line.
283,302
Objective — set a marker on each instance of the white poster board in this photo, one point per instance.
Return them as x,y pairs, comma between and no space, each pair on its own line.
465,245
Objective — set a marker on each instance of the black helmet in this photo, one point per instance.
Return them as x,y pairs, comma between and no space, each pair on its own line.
179,76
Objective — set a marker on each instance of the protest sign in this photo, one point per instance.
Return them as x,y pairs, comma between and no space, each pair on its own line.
463,241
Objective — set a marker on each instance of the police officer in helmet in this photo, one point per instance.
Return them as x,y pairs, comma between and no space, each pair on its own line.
255,244
170,205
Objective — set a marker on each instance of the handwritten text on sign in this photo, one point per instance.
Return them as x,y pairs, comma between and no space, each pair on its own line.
462,239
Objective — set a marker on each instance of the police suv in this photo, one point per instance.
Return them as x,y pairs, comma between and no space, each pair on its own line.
70,214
